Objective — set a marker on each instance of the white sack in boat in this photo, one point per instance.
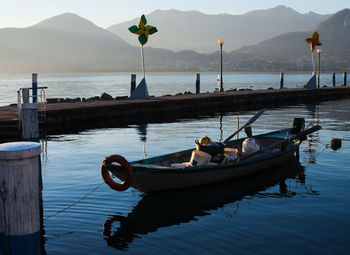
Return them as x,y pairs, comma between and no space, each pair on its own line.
250,146
199,158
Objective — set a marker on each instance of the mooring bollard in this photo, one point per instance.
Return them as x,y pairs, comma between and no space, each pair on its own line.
198,83
281,80
344,77
25,96
132,83
30,125
333,79
35,87
19,192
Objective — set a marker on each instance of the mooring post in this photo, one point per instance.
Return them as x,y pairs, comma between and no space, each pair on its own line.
198,83
333,78
281,80
19,192
30,125
132,83
25,96
344,77
35,87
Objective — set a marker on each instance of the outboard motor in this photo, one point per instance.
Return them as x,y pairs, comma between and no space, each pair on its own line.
298,125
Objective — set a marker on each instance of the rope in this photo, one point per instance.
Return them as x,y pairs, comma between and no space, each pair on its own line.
71,205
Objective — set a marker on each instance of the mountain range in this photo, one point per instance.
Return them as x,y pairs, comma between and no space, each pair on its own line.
197,31
256,41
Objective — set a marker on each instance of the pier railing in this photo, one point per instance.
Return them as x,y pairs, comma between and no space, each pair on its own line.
23,97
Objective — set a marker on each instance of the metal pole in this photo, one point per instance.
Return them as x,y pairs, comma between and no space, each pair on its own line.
333,78
344,77
35,87
281,80
198,83
143,62
319,68
19,110
237,127
313,62
221,81
132,83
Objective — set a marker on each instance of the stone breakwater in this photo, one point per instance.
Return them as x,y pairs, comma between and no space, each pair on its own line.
67,117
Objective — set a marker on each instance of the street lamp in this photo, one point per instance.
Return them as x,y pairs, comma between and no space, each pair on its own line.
221,42
319,51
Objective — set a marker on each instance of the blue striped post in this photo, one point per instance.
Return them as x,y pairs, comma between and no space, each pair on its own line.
198,83
35,87
20,206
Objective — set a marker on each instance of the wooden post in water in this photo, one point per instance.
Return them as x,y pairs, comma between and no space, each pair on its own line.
132,83
198,83
344,77
333,79
30,125
19,192
35,87
281,80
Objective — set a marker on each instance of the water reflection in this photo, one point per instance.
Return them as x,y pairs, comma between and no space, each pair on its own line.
142,131
313,139
163,209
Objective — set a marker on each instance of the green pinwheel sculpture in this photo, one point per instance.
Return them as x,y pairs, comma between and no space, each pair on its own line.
143,31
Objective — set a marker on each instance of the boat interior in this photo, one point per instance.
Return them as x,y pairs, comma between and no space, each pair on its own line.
233,151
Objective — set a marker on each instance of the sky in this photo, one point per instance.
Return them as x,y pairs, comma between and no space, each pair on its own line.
104,13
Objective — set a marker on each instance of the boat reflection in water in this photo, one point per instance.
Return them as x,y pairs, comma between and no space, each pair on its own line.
163,209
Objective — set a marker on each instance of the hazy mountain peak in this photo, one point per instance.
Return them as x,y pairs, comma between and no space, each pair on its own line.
67,22
175,12
278,10
336,23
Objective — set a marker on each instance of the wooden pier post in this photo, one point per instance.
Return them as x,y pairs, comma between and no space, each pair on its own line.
19,192
132,83
35,87
333,79
344,77
25,96
30,125
281,80
198,83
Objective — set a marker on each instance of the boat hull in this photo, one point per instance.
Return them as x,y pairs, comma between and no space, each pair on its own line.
148,179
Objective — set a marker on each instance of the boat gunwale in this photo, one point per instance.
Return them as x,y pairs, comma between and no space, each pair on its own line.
145,165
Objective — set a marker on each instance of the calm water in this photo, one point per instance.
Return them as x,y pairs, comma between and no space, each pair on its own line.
118,84
298,208
294,209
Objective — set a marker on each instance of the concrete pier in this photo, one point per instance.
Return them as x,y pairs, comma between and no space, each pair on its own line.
72,117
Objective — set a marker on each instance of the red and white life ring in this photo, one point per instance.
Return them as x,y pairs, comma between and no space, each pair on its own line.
125,165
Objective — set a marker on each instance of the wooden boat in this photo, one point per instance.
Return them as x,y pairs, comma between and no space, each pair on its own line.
157,173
